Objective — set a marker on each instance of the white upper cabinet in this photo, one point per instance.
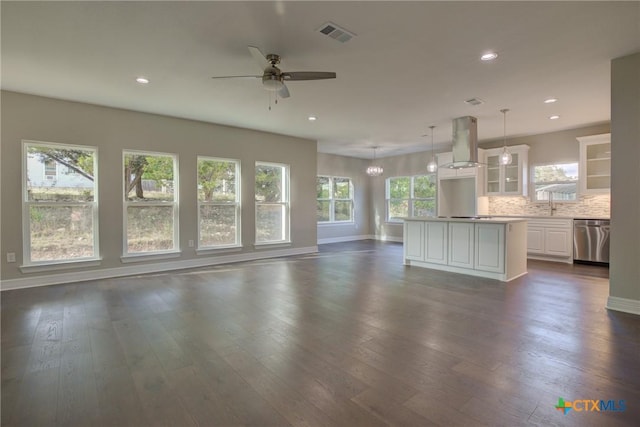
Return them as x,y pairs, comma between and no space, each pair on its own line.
509,180
595,164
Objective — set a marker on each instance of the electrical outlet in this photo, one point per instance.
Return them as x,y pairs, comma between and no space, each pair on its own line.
191,243
11,257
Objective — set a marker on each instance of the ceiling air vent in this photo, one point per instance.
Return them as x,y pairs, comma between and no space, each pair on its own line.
474,101
335,32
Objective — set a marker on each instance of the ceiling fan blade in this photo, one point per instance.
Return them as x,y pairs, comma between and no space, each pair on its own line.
283,92
259,58
236,77
308,75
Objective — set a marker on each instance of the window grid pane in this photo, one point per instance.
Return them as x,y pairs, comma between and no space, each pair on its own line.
149,228
149,178
61,233
323,211
270,222
218,225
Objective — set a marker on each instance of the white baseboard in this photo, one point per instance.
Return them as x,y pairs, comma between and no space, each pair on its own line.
625,305
345,239
132,270
389,238
550,258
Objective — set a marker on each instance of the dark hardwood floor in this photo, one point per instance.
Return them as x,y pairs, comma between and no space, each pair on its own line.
345,337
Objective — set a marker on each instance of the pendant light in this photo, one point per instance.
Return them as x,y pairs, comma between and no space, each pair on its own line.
505,157
432,166
374,170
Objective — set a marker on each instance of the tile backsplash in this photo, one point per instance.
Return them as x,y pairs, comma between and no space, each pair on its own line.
586,206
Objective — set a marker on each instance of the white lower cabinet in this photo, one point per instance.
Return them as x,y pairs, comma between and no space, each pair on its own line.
461,244
414,245
435,242
535,239
489,247
557,242
550,239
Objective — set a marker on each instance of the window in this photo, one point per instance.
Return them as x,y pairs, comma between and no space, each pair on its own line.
272,203
60,215
410,196
556,182
218,203
423,199
50,169
150,202
335,199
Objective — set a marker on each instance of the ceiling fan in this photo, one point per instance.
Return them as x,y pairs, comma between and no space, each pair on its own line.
273,78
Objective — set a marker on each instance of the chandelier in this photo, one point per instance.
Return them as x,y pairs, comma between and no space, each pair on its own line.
374,170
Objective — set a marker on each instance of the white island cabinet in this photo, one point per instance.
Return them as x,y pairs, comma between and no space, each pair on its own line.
487,247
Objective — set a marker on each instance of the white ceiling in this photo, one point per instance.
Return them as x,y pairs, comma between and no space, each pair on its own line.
412,64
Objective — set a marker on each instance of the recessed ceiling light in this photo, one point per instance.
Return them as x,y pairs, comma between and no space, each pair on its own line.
554,117
550,100
489,56
142,80
312,118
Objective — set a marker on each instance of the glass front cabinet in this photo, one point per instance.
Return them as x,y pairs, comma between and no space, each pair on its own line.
595,164
507,180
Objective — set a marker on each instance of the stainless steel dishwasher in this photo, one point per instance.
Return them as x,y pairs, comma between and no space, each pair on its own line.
591,240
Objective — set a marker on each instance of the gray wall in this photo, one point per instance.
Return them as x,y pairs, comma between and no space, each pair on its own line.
558,146
112,130
624,272
349,167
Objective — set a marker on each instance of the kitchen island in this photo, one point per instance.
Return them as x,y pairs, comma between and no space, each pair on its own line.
493,247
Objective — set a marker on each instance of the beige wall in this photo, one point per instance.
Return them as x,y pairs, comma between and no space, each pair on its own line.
625,179
348,167
112,130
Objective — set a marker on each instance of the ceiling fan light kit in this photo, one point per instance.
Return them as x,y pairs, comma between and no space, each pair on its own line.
273,78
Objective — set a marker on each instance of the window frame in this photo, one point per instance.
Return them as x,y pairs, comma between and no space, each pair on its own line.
285,204
237,203
410,200
332,199
27,262
533,197
175,250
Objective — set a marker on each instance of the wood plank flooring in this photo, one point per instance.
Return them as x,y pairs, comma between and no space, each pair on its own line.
345,337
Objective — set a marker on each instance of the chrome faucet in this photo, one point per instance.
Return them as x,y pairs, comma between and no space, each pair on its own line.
552,206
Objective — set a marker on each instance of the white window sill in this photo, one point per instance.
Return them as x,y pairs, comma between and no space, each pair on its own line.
270,245
59,265
394,222
149,256
330,224
218,250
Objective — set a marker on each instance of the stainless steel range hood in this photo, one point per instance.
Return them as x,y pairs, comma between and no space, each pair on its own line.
465,143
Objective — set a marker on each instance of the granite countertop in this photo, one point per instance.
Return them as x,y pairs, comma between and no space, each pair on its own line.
551,217
485,219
